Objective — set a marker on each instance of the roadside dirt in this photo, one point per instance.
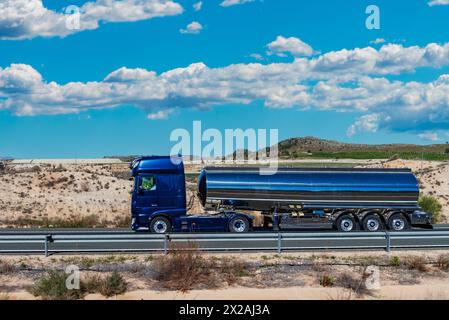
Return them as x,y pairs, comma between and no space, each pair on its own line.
288,276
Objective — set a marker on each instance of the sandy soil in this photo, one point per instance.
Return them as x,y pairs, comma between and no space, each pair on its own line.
37,192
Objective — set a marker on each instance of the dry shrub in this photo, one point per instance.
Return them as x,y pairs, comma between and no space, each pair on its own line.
59,168
108,286
418,263
85,187
231,269
443,262
88,221
184,268
353,282
318,266
6,267
122,221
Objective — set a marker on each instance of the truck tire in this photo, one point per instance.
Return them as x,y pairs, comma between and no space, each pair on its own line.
239,225
160,225
398,222
372,223
346,223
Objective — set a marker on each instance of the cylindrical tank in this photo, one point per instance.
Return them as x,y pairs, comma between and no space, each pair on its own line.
330,187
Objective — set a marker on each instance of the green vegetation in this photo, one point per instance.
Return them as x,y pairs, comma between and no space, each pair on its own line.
431,156
109,286
395,261
327,280
52,286
430,204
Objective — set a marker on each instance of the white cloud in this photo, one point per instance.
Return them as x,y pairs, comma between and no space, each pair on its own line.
192,28
228,3
378,41
438,3
431,136
159,115
256,56
292,45
345,80
26,19
367,123
198,6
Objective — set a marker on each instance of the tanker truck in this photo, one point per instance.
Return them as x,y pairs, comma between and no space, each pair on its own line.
345,199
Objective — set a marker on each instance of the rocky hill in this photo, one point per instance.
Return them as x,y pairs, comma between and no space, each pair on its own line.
313,144
294,147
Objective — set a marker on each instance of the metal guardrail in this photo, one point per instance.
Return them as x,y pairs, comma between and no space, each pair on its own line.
220,242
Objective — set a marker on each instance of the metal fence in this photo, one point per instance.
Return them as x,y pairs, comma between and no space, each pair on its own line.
220,242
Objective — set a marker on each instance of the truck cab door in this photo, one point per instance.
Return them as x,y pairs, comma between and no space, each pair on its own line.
147,194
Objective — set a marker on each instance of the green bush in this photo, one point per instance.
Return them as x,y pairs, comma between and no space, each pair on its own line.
327,280
395,261
53,287
113,284
430,204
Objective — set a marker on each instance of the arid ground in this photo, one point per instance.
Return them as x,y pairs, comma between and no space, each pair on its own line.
334,276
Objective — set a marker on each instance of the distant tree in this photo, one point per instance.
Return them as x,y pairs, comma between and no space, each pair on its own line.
447,150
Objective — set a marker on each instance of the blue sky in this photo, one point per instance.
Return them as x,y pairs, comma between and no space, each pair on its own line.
33,125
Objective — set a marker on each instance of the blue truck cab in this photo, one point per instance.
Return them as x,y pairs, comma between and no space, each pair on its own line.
158,202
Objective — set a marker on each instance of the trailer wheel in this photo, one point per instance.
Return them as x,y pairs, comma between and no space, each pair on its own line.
239,225
160,225
397,222
346,223
372,223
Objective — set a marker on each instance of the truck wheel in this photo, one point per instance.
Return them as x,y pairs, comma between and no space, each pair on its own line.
160,225
239,225
397,222
372,223
346,223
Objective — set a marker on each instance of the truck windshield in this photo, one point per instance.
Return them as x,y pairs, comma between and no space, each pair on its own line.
148,183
